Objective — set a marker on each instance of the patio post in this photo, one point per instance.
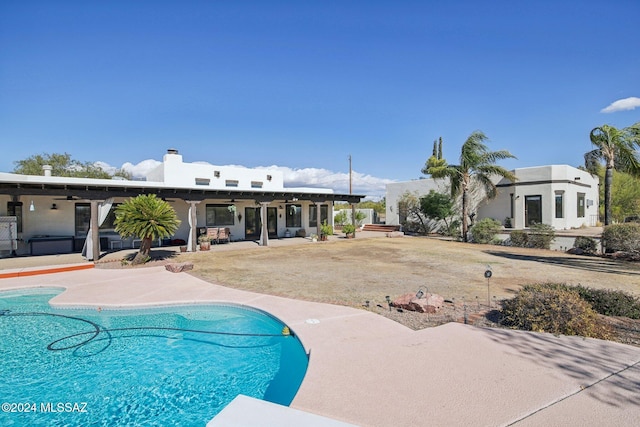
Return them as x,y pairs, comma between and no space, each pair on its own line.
264,234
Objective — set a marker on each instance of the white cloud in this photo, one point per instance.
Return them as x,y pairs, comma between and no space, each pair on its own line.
622,104
140,170
370,186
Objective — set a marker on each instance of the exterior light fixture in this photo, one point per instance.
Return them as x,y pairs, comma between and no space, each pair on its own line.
32,207
54,207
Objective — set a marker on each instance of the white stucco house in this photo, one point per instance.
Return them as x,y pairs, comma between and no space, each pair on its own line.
60,214
558,195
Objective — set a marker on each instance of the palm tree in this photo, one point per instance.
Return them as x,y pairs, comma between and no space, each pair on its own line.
148,218
617,148
477,165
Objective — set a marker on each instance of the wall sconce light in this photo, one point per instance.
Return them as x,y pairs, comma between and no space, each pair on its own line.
54,207
280,207
216,174
32,207
239,217
268,177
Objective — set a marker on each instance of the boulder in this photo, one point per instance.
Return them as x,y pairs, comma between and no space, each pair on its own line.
429,303
178,267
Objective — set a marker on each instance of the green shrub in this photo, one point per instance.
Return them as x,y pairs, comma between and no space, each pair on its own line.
555,309
519,238
348,229
587,244
621,237
507,223
326,229
485,230
607,302
610,302
541,236
341,217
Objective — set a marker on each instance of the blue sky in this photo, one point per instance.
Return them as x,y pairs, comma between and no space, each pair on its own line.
303,84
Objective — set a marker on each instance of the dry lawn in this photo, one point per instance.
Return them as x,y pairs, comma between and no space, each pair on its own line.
349,272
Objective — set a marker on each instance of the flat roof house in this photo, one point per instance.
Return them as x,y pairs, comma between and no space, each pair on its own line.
54,214
558,195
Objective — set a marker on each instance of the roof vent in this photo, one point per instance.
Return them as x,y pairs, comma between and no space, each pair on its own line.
172,151
46,169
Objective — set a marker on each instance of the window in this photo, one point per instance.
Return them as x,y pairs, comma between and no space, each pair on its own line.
82,219
512,206
15,209
231,183
581,205
202,181
313,215
559,203
256,184
532,210
294,215
218,215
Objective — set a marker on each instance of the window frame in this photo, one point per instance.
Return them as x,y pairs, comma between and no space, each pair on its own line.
324,214
224,219
293,215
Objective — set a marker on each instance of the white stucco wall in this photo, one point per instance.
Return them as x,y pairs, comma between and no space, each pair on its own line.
419,187
542,181
546,182
173,171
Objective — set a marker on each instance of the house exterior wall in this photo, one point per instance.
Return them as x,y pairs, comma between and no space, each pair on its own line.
209,184
419,187
543,181
547,182
173,171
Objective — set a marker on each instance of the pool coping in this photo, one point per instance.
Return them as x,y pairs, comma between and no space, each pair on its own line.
368,370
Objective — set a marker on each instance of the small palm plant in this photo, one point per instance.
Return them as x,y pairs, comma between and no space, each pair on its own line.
148,218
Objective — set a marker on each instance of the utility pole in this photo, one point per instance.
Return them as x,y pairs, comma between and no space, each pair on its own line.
353,207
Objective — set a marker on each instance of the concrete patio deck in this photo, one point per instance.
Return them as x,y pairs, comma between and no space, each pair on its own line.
367,370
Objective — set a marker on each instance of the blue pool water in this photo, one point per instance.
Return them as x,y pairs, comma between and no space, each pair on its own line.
175,366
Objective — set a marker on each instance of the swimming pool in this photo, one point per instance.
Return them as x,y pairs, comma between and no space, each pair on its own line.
176,365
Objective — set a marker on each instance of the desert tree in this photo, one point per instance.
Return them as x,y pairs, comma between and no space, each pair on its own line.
477,167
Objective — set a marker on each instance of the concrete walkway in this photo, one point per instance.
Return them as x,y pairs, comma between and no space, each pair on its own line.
370,371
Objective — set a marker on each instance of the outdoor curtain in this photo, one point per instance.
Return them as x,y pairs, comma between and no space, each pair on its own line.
190,239
103,212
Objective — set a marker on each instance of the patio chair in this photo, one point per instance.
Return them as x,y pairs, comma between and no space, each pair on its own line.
214,234
224,234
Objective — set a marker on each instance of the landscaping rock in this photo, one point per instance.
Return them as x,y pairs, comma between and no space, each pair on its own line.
429,303
576,251
178,267
395,234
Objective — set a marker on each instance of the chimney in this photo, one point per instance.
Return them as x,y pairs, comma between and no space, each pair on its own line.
172,151
47,170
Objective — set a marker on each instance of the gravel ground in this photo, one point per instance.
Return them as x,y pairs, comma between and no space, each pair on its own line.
351,272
